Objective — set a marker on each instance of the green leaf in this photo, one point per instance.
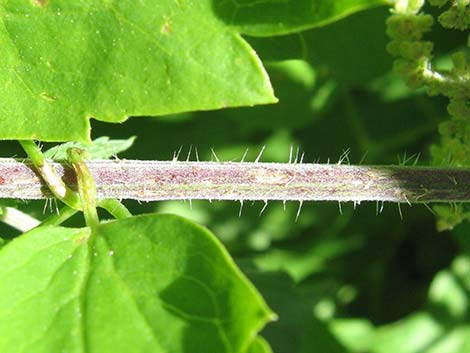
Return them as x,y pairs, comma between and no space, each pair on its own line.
304,260
274,17
273,49
296,86
353,59
259,345
64,62
154,283
444,328
101,148
297,330
355,334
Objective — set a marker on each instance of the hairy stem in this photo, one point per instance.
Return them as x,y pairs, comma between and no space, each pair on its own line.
154,180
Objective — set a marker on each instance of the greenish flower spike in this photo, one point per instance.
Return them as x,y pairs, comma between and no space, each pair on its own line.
410,50
406,27
456,18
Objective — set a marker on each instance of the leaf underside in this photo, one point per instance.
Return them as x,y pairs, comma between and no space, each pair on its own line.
154,283
273,17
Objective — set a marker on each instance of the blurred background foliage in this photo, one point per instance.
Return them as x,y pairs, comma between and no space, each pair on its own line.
341,278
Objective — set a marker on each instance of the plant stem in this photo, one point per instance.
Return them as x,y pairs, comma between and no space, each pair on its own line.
154,180
17,219
86,186
50,176
115,208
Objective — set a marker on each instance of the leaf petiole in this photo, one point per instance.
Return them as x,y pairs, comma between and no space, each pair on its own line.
86,186
115,208
47,172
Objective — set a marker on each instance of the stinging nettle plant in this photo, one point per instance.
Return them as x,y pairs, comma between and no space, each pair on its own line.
159,282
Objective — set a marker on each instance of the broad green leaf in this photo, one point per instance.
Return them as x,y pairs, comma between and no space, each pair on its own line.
274,17
154,283
66,61
332,59
150,58
444,328
101,148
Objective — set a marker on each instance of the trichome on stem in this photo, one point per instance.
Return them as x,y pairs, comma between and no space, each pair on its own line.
174,180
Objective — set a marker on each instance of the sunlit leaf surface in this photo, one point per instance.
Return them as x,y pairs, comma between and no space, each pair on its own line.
155,283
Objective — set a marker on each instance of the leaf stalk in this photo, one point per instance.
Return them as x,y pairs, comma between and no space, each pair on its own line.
50,176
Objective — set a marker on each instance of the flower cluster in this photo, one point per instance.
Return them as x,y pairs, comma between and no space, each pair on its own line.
407,27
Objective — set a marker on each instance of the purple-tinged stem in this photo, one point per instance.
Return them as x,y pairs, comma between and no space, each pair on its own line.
154,180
